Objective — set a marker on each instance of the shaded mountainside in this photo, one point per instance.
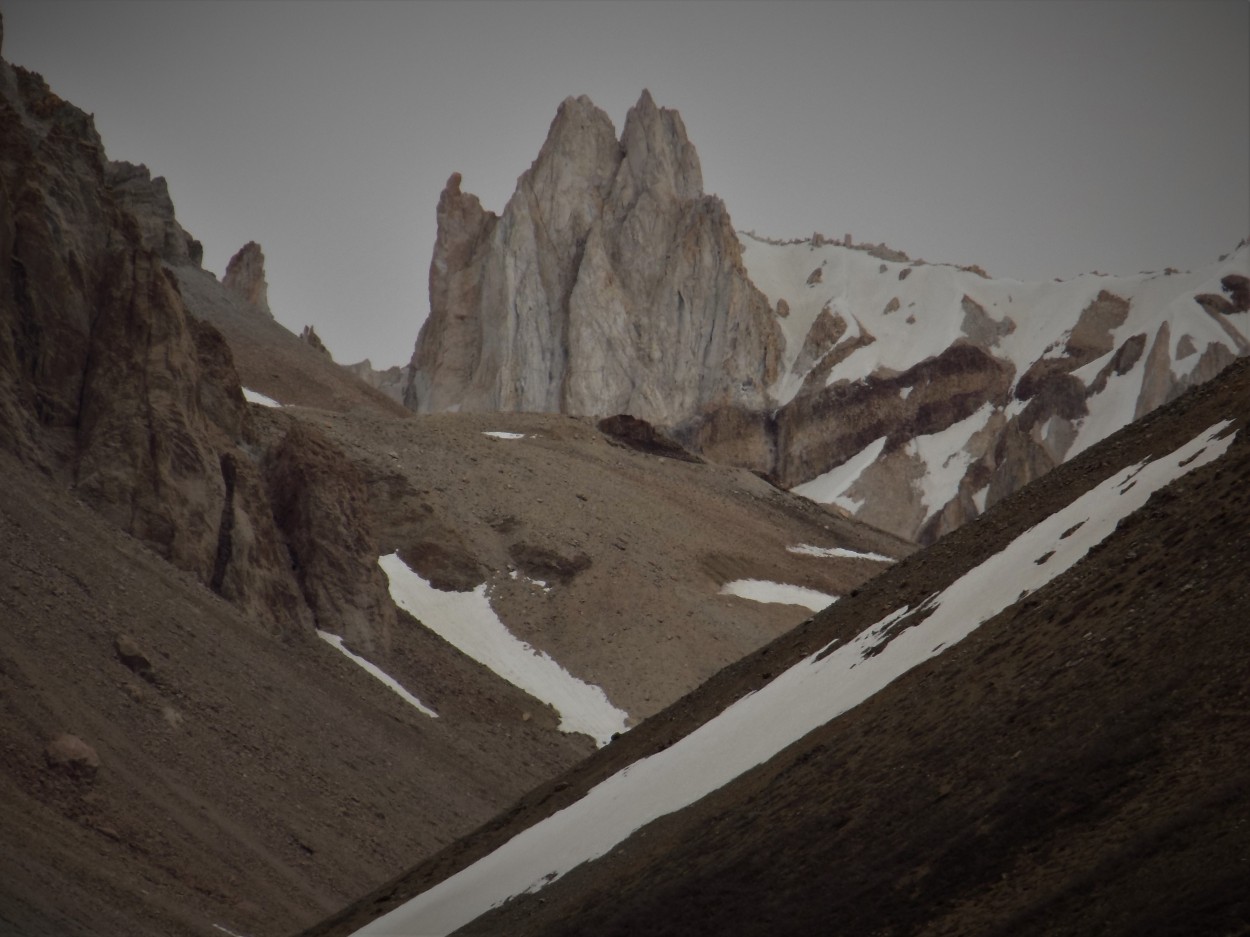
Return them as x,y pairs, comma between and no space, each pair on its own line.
152,608
242,781
1073,765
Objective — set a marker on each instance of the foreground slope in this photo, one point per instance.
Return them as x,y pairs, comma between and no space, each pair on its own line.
1070,765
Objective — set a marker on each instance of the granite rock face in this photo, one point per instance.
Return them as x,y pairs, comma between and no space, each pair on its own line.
147,200
609,284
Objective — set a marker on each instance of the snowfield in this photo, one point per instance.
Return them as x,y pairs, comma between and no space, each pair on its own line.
467,621
808,695
782,593
255,396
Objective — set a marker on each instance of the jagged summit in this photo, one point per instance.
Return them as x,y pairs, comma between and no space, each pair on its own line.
610,283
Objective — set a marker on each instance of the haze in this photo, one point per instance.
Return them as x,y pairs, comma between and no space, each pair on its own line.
1038,140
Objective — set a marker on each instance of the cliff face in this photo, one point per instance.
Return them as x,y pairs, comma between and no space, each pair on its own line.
110,385
609,284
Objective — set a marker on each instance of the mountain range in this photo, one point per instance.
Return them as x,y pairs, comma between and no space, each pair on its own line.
275,629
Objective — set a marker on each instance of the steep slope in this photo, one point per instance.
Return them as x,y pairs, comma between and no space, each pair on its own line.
1057,769
106,384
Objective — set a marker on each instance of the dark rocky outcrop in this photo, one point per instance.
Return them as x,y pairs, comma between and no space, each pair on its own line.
642,436
320,506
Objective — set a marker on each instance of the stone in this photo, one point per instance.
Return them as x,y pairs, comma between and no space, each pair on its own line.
147,199
70,755
131,656
643,437
105,379
309,335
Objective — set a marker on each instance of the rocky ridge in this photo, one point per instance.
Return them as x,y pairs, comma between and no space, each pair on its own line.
106,383
915,395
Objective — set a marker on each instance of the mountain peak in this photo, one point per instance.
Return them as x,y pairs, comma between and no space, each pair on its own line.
607,286
658,153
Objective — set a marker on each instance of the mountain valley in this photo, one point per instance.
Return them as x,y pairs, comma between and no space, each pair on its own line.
278,633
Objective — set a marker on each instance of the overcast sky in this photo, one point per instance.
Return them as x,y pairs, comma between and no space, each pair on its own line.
1038,140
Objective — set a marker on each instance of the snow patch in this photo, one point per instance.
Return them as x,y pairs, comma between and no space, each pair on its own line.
501,434
467,621
335,641
780,593
806,549
946,458
808,695
542,584
254,396
831,487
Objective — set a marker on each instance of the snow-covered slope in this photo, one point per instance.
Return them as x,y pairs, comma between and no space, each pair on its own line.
914,395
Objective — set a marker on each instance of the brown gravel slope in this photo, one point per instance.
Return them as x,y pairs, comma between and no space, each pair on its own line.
633,548
1076,766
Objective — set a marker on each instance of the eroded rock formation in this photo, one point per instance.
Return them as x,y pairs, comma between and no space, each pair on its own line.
245,277
609,284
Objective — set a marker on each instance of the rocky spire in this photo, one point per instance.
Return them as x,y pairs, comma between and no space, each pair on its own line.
245,277
609,284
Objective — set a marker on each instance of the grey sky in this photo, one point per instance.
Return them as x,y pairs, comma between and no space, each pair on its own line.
1036,139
